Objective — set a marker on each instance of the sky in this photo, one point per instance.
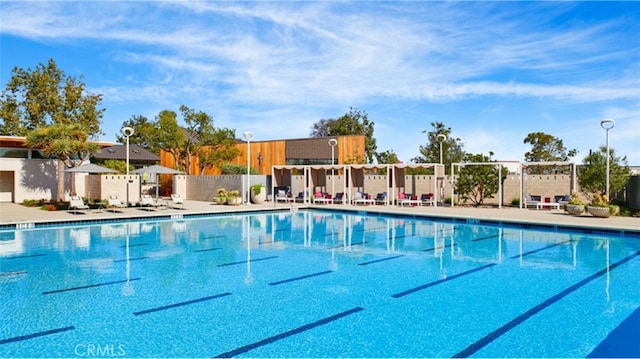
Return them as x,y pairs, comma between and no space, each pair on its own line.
491,71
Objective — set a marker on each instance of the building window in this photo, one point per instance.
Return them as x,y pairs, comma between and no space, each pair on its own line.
14,153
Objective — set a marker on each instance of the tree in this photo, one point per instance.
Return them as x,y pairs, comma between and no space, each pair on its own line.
44,96
54,113
142,134
476,183
220,148
355,122
387,157
452,147
592,175
168,136
199,132
546,148
67,143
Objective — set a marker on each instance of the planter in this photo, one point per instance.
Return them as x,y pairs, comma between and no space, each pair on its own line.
574,209
259,198
235,201
603,212
220,200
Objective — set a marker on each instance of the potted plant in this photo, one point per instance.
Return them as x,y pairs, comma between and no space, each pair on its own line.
258,193
221,196
575,206
599,206
233,198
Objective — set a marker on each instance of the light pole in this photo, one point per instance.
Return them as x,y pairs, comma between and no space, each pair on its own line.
607,125
332,142
127,132
441,138
248,136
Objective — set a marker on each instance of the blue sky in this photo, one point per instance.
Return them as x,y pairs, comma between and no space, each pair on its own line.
492,71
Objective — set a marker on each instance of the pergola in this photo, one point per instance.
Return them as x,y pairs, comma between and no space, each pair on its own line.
315,175
546,164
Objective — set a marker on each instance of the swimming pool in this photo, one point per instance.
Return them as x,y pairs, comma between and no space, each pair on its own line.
315,284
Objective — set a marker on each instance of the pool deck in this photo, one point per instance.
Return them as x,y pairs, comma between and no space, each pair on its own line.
11,213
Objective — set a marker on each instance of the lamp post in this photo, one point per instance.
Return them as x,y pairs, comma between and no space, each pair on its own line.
441,138
127,132
248,136
607,125
332,142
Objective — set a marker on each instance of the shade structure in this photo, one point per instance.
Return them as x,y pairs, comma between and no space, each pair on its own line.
157,169
90,168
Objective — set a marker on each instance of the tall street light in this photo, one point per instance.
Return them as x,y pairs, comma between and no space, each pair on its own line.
607,125
441,138
332,142
127,132
248,136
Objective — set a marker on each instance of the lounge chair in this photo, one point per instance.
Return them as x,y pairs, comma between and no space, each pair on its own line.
562,199
146,201
177,201
76,203
531,200
322,198
302,197
283,196
405,199
340,198
114,202
362,198
428,199
381,198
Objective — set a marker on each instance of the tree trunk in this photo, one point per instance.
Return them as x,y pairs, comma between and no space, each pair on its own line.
60,195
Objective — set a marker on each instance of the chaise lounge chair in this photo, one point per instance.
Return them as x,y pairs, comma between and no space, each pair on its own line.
177,202
147,202
340,198
362,198
283,196
113,203
322,198
76,203
428,199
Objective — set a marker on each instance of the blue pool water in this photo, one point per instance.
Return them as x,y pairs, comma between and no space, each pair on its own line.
317,284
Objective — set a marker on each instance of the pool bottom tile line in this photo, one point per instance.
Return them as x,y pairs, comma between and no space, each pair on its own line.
35,335
487,339
181,304
287,334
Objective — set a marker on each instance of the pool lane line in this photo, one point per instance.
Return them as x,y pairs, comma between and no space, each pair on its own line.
380,260
35,335
181,304
300,278
245,262
330,234
213,237
431,284
134,245
540,249
90,286
130,259
441,247
207,250
488,237
11,274
27,256
484,341
301,329
348,244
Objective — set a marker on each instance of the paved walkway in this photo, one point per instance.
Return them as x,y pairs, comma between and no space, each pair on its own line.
11,213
